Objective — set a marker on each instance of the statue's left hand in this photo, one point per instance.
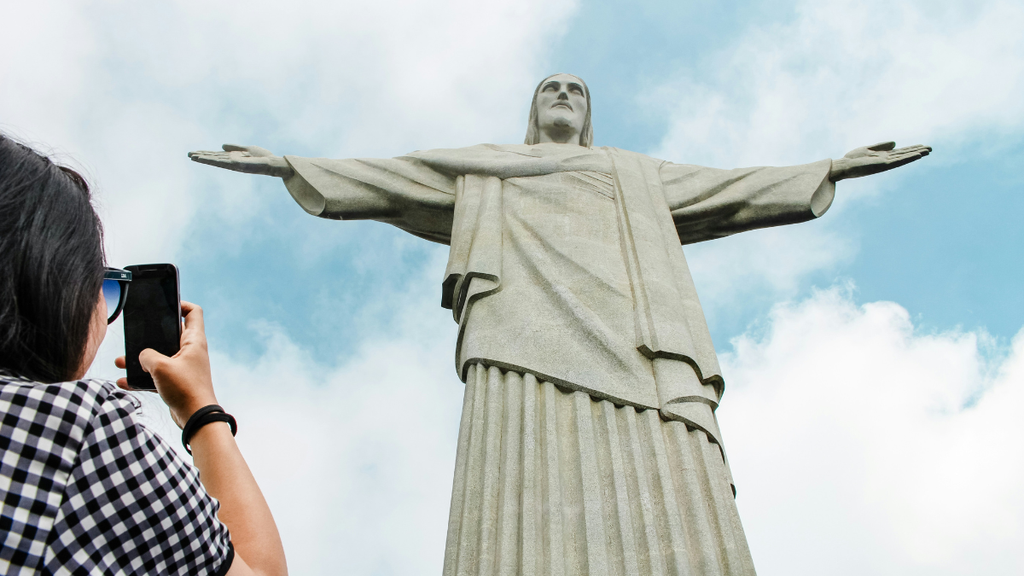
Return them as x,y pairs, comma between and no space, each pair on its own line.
248,159
868,160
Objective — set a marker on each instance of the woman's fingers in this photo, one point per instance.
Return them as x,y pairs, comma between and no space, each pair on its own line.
122,382
194,334
152,361
193,314
188,307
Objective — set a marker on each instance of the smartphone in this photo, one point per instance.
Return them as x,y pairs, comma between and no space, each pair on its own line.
152,318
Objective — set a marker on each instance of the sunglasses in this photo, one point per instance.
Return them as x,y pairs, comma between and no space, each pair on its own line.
115,290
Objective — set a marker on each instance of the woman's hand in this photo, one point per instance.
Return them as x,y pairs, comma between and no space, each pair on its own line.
183,380
185,384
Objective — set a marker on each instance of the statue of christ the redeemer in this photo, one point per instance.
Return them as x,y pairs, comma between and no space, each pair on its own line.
588,442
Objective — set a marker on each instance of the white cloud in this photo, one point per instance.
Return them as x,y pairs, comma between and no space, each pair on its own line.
861,446
126,89
845,74
764,264
842,74
357,461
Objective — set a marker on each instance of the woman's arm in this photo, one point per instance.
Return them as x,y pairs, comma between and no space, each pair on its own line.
243,509
185,384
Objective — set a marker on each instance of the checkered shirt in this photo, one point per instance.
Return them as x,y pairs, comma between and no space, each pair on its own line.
85,489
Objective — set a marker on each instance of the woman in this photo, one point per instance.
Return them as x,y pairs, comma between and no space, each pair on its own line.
84,488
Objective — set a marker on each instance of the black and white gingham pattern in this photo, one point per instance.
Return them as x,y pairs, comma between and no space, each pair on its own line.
87,490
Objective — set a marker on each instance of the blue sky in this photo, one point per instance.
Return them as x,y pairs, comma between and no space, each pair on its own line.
874,360
940,241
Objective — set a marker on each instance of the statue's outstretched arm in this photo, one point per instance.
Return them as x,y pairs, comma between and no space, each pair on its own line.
248,159
868,160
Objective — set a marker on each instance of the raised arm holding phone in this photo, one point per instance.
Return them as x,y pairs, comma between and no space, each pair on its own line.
84,487
186,385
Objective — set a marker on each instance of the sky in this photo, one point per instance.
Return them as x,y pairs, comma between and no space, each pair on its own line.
874,358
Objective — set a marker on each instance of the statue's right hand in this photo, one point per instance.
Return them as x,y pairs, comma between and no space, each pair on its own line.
248,159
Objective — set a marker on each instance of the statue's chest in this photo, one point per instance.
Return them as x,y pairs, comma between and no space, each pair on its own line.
562,217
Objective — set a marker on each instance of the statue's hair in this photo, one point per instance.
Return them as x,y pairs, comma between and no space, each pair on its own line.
533,127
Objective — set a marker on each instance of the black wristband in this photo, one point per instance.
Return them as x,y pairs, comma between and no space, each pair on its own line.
202,417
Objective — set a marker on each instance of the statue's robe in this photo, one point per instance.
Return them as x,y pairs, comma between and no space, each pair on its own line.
566,276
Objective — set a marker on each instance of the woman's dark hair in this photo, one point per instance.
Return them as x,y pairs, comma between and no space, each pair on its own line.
51,265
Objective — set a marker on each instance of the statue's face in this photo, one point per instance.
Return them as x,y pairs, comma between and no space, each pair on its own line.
561,106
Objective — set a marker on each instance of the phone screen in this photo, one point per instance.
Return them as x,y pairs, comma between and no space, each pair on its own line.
152,318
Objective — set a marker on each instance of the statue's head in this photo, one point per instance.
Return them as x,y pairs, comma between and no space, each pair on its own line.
560,111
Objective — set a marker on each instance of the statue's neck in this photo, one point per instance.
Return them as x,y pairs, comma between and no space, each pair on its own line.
559,135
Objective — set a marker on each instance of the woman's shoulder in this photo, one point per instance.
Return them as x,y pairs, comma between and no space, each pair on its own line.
67,411
93,468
